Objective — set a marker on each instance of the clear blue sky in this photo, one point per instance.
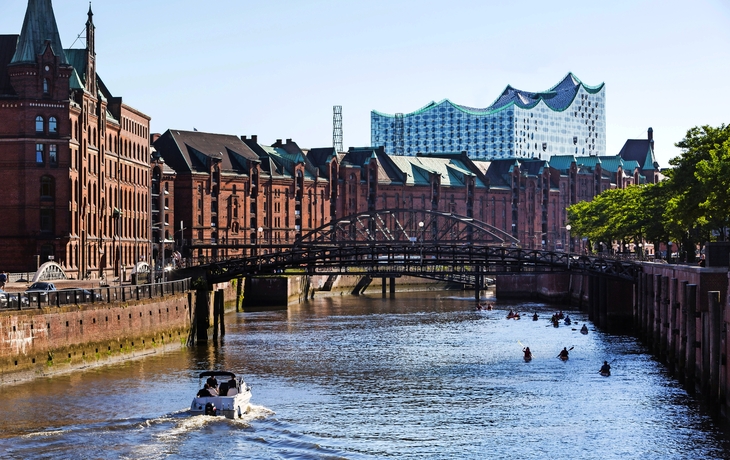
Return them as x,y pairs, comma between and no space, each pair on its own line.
276,68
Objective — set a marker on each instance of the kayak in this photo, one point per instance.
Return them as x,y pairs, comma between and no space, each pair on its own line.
563,358
528,359
605,374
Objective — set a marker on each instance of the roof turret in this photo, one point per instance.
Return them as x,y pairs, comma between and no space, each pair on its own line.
39,27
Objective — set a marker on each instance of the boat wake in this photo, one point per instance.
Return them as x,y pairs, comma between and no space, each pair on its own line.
185,423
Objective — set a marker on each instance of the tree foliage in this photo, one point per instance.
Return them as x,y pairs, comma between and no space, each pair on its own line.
691,206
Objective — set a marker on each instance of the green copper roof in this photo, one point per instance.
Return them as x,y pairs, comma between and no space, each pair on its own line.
39,26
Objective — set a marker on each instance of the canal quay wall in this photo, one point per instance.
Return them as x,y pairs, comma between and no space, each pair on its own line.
50,340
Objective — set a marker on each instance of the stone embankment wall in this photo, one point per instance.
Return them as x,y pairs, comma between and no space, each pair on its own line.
681,314
46,341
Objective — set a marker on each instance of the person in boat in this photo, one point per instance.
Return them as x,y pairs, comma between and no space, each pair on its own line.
232,387
535,317
212,381
527,352
511,313
563,353
223,389
606,368
584,329
206,392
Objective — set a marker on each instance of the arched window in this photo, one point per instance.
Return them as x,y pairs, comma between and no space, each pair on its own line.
52,125
45,86
39,124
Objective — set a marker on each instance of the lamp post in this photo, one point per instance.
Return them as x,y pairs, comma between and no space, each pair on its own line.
641,252
570,242
259,235
420,228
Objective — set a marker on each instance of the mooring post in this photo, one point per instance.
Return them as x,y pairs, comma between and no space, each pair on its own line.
664,319
682,344
216,314
202,315
239,290
691,359
221,301
673,326
384,282
715,328
392,286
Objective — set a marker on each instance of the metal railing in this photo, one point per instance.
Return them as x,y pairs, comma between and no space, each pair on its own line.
100,295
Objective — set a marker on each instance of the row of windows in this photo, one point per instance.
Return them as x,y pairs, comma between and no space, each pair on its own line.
40,125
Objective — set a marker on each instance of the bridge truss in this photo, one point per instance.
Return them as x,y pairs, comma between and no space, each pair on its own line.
396,242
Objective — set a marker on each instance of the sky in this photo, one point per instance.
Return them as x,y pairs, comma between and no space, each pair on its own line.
276,68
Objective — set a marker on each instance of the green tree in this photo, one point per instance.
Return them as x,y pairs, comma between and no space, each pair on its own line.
687,220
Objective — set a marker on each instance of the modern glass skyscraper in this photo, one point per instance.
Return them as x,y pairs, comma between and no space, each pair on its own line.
569,118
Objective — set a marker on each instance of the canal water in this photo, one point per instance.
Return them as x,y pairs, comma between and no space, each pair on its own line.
418,376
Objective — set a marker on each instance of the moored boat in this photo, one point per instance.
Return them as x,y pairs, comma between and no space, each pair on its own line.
230,398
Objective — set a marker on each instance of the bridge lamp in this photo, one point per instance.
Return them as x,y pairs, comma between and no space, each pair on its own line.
570,242
420,227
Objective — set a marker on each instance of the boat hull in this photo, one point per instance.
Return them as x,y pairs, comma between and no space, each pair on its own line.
227,406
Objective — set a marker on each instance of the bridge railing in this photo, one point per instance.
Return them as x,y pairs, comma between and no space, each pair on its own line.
101,295
417,259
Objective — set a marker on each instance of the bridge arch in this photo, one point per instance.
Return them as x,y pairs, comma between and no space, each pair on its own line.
49,271
398,226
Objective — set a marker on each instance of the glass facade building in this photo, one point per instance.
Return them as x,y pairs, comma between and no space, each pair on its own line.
569,118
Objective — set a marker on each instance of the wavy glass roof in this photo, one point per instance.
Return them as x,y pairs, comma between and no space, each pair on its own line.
557,98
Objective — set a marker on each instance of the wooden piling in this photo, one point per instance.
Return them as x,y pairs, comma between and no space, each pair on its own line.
691,357
682,320
715,319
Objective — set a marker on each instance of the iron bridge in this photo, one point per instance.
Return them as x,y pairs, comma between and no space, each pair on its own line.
398,242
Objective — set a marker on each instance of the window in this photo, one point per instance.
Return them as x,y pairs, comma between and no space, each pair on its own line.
52,155
39,154
52,125
47,189
46,220
39,124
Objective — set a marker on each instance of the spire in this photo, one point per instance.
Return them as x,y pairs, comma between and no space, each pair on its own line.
90,32
39,27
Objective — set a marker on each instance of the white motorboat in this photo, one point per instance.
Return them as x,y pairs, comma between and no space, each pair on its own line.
233,404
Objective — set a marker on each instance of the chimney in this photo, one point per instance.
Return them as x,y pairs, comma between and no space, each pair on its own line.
255,138
288,141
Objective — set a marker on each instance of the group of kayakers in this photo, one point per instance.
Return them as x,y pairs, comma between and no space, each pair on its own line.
564,355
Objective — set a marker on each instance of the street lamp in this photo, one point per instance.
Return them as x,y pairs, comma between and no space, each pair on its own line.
641,252
420,228
570,242
259,235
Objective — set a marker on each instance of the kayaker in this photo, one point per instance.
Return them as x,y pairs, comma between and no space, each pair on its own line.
563,353
584,329
535,317
606,368
527,352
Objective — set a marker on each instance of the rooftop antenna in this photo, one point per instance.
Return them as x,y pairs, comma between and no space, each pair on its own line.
337,128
